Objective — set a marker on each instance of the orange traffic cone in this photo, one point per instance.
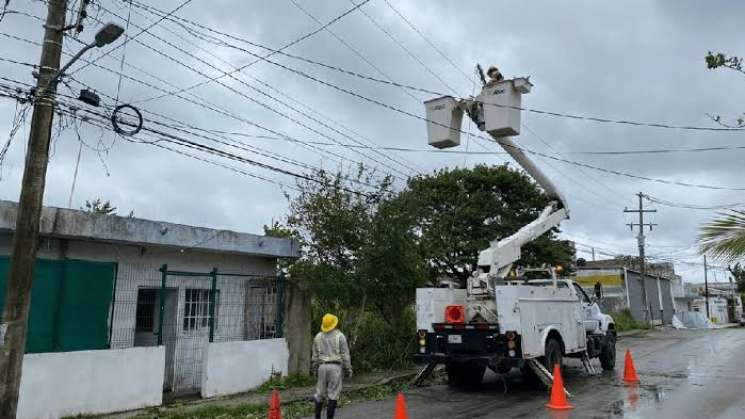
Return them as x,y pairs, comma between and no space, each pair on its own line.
629,371
274,410
558,399
400,408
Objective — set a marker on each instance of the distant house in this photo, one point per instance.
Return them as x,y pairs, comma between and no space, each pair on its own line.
108,285
622,287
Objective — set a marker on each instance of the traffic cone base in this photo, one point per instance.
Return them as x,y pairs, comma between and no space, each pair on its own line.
401,412
629,371
275,411
558,400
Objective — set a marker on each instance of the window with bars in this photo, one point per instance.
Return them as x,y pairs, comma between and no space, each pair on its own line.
145,310
197,309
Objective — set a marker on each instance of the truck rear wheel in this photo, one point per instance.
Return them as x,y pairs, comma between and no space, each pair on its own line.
465,374
608,352
554,354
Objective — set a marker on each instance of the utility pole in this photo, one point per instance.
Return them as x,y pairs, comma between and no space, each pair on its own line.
642,258
706,287
26,235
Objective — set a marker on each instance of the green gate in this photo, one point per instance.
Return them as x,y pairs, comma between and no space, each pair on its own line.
70,302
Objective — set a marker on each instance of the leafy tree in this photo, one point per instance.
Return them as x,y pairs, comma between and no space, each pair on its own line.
456,213
738,274
724,237
97,206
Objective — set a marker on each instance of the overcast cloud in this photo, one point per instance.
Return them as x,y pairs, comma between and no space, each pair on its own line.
635,60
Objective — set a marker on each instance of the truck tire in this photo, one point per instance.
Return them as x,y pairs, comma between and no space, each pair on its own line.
608,353
465,374
554,354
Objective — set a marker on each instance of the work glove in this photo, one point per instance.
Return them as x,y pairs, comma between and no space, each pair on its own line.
350,373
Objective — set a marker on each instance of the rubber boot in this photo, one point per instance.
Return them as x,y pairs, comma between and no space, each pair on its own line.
331,409
319,409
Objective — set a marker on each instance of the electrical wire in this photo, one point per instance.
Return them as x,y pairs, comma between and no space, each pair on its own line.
403,162
693,206
408,52
288,45
234,90
183,4
428,41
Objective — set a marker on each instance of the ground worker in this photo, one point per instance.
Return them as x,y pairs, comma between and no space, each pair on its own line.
598,290
330,359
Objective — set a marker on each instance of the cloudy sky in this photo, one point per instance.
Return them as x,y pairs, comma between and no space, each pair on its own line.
634,60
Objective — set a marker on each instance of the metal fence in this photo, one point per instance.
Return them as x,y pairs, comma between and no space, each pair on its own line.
184,311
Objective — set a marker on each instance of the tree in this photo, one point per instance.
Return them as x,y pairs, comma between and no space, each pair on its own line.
97,206
456,213
738,274
724,237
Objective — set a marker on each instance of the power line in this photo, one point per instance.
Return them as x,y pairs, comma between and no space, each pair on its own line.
110,50
531,110
408,52
288,45
693,206
230,88
431,44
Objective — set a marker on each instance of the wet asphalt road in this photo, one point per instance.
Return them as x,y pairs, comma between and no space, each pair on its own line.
684,374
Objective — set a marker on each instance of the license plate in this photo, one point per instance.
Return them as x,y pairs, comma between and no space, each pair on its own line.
455,339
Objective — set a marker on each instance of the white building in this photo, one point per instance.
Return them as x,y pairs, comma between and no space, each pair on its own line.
108,324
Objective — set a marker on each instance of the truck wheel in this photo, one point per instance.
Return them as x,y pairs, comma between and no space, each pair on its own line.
608,353
554,354
466,374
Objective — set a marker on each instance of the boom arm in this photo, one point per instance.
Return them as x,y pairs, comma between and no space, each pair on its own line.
501,254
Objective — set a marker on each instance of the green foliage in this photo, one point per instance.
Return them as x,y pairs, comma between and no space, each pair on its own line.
364,255
738,274
456,213
625,322
97,206
724,237
283,383
718,60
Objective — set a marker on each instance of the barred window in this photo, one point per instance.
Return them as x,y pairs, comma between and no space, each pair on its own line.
145,310
197,309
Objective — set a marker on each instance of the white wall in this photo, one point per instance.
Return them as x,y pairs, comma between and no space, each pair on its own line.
234,367
54,385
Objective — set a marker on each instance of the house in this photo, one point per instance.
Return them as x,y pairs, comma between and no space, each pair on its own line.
622,287
123,309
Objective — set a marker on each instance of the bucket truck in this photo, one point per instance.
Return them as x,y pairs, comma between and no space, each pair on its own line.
506,318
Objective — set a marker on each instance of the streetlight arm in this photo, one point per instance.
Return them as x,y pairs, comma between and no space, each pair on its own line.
58,75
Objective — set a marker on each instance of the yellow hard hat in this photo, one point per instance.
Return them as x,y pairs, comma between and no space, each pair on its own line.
329,322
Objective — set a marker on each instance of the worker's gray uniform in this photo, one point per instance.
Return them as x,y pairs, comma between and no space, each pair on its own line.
331,357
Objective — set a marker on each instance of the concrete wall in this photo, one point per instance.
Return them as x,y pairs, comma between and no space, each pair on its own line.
659,297
54,385
234,367
298,329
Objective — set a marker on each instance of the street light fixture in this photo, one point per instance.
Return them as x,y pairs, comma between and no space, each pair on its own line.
108,34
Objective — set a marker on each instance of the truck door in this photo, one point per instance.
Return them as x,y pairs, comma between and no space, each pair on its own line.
583,314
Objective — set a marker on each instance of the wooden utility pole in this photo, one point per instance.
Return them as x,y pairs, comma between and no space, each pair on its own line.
26,236
642,256
706,287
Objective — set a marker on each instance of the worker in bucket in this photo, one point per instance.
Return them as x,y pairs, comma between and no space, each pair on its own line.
330,360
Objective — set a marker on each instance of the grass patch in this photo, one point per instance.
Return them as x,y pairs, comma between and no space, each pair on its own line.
283,383
625,322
